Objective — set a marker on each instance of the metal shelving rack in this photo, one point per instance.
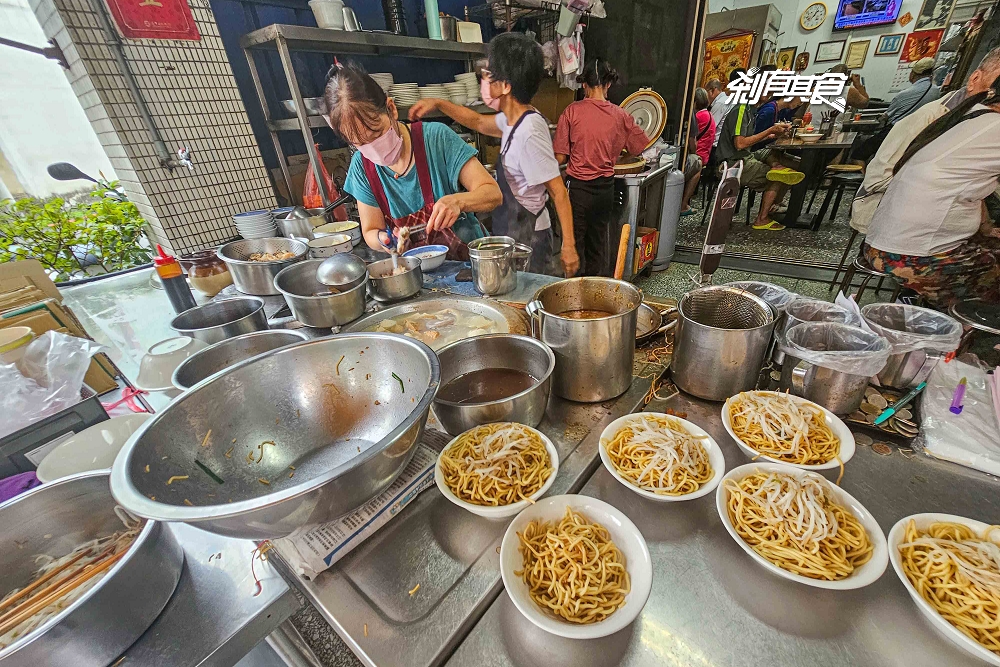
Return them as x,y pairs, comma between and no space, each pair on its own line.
287,38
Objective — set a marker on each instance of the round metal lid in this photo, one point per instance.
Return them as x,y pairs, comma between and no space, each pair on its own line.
978,314
649,111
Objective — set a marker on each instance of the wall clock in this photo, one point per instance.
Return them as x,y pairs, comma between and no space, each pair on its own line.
813,16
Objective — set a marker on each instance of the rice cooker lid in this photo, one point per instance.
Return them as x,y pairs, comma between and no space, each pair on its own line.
649,111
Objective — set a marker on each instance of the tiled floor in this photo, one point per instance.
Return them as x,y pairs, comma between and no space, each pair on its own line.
824,245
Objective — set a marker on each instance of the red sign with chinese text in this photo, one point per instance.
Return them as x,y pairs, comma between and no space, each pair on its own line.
154,19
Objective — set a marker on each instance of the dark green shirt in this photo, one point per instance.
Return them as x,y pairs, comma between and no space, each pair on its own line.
740,122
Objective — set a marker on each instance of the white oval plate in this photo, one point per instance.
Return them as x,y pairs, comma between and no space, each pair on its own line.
836,424
715,457
504,511
957,637
625,536
862,576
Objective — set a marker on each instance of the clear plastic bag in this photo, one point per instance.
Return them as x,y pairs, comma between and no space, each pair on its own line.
777,296
808,309
839,347
46,380
909,328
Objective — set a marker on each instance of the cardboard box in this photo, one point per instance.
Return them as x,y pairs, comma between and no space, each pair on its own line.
646,242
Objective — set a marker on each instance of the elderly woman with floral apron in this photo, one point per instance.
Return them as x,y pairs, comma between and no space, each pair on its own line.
527,171
419,176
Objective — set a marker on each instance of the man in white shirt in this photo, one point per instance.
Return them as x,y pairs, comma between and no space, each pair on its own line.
878,173
719,105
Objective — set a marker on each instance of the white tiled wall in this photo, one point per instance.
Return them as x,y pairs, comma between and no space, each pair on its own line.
192,96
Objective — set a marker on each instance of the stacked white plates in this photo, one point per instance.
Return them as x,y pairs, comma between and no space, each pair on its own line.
383,79
404,94
468,79
435,90
255,224
456,92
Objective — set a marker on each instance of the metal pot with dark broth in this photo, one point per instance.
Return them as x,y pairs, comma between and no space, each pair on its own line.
590,325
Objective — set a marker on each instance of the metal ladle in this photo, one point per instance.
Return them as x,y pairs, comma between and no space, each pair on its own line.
342,271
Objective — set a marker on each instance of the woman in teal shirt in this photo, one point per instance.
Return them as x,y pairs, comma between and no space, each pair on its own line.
407,175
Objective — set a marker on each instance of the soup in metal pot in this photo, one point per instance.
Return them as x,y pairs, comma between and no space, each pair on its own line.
486,385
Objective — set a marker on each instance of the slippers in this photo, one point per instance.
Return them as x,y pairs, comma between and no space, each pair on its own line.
687,211
786,176
770,225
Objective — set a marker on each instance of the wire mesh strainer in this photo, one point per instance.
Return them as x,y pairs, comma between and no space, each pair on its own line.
725,308
240,251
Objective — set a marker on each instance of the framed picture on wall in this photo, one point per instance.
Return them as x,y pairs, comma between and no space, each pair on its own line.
828,52
856,54
889,45
786,58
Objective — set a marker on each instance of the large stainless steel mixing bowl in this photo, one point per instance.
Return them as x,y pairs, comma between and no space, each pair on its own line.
257,278
216,321
96,628
341,425
312,302
220,356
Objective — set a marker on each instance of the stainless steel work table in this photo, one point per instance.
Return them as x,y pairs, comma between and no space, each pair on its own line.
712,605
450,553
214,618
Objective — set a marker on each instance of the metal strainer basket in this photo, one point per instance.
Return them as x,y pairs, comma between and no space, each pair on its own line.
257,278
724,307
721,338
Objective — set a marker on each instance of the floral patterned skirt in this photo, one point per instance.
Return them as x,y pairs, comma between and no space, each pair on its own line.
972,270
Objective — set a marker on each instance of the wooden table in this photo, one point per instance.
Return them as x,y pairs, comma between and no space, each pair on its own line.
815,157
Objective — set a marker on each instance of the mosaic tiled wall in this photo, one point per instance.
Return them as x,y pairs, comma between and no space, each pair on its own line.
192,96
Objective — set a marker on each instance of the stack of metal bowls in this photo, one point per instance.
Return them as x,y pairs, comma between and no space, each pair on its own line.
299,436
315,304
257,278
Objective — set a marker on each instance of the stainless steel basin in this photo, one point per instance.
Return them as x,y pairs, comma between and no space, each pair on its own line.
341,425
220,356
96,628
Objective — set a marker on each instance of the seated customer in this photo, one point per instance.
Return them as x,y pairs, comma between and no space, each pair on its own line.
878,173
769,113
926,228
699,147
762,169
920,93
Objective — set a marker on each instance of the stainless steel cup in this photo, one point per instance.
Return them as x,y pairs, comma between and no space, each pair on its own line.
494,268
721,338
593,356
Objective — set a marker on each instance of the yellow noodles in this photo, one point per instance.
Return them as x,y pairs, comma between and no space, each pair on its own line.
658,454
573,569
958,573
781,427
496,464
797,525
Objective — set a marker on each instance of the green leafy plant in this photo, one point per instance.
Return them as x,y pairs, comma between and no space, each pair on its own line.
98,234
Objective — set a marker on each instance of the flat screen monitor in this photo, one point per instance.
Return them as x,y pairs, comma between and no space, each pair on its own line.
861,13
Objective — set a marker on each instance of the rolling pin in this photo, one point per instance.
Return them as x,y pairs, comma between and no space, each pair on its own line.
622,251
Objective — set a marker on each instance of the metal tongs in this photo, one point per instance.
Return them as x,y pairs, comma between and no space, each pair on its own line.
399,241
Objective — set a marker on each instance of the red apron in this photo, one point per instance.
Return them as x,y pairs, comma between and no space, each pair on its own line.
457,249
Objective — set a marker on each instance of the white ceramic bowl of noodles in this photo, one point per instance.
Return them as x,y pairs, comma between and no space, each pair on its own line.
838,427
503,511
624,534
715,457
862,576
937,621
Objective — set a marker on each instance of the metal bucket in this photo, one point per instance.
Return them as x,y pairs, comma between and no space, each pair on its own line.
839,392
593,356
721,338
917,336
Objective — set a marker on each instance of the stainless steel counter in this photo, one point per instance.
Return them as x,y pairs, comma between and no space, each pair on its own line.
712,605
450,553
214,618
